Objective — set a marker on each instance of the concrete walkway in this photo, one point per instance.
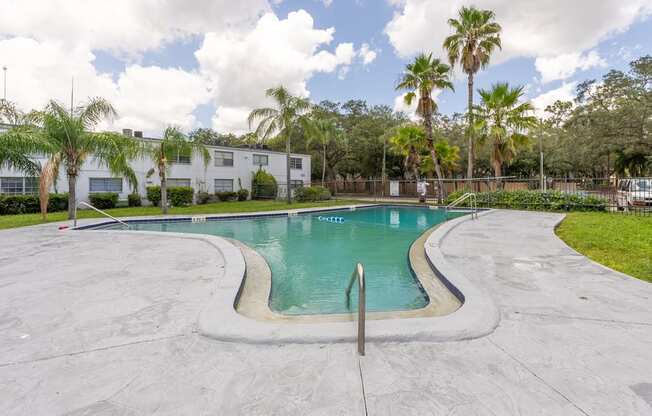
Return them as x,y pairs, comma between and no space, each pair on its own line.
97,323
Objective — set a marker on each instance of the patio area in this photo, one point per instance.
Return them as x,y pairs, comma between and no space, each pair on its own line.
106,323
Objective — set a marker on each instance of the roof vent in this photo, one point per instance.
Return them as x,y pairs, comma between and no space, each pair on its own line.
138,134
127,132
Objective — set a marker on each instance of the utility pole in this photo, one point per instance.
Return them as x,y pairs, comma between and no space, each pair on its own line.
4,70
541,162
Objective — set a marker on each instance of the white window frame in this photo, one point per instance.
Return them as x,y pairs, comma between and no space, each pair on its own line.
220,188
24,188
106,180
175,180
256,159
177,160
222,159
293,163
296,183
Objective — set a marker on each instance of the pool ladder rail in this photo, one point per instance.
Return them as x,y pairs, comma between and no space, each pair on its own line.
358,274
86,204
473,200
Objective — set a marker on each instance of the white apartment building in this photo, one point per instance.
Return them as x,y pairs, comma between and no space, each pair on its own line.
229,169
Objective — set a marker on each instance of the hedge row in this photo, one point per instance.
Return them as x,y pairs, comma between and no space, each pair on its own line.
177,195
534,200
312,194
30,204
104,200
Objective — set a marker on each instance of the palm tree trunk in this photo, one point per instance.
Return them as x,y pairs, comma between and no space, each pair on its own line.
427,122
287,163
72,195
471,152
323,168
164,191
498,174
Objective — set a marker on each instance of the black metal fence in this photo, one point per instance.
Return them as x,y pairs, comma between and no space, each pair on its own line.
628,195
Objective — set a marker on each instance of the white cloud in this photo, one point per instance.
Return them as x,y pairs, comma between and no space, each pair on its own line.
564,93
562,67
242,65
366,54
125,26
530,28
410,110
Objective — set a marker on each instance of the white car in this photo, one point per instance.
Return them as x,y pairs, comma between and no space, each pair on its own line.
634,193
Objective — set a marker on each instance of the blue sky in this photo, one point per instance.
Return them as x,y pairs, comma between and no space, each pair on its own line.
207,63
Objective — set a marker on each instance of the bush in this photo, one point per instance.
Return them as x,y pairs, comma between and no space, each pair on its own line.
535,200
312,194
104,200
243,194
203,198
263,186
154,195
134,200
180,195
227,196
30,204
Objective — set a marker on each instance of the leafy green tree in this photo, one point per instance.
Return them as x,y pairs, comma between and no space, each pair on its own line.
322,132
504,121
290,111
67,138
475,37
13,154
409,141
420,78
164,152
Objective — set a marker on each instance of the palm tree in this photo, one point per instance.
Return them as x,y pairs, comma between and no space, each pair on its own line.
323,131
476,35
420,78
66,137
12,154
409,141
163,153
448,156
504,121
290,111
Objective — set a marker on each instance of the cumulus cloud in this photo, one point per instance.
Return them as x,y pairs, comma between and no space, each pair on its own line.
545,28
240,66
125,26
564,93
410,110
366,54
562,67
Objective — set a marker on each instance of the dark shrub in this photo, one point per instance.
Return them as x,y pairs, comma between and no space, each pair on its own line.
263,186
30,204
535,200
154,195
311,194
134,200
180,195
243,194
227,196
104,200
203,198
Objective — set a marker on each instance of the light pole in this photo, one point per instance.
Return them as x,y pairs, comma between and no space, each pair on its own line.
4,70
541,162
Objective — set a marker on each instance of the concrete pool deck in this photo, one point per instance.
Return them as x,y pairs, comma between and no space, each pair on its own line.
106,323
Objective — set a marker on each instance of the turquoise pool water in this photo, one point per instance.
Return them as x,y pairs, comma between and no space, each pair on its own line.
311,259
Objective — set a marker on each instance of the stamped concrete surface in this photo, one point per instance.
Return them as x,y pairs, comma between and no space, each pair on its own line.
105,323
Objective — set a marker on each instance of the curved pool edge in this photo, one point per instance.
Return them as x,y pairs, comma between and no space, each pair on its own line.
478,316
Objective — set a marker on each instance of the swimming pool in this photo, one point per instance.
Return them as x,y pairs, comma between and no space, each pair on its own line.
312,255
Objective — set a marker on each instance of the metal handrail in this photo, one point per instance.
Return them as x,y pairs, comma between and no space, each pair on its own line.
358,274
98,210
474,203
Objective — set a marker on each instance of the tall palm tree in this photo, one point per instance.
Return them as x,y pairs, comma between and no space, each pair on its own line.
12,154
323,131
476,36
504,121
290,111
66,137
420,78
163,153
409,141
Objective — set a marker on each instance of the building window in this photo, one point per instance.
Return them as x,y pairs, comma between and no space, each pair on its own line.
296,163
172,182
105,185
181,159
261,160
294,184
223,158
19,186
223,185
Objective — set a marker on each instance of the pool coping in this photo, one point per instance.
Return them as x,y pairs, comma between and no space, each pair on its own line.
218,319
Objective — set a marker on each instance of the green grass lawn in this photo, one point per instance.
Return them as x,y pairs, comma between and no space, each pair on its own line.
622,242
13,221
